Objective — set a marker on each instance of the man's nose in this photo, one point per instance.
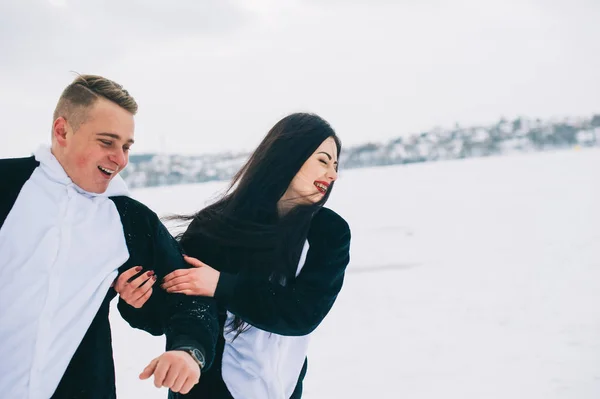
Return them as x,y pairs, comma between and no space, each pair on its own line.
120,158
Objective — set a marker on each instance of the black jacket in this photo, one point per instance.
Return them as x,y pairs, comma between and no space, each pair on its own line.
295,309
186,321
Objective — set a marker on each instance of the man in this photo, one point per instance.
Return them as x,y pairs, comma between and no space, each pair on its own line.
67,230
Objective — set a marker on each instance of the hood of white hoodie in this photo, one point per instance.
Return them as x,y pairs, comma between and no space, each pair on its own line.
54,170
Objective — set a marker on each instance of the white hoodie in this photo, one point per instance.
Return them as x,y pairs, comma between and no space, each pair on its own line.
60,248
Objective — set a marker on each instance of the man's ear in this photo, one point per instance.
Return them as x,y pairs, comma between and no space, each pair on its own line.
59,131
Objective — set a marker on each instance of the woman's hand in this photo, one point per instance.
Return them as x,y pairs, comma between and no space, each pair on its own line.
201,280
135,292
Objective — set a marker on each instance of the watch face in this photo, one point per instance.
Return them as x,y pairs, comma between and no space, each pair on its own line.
198,355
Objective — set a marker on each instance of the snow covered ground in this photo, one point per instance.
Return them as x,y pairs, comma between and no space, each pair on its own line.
469,279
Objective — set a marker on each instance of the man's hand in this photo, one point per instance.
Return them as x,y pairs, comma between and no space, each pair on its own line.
137,291
176,370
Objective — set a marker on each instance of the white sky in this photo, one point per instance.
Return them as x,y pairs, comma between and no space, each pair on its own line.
214,75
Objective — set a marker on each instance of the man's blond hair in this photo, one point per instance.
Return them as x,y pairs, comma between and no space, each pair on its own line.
84,91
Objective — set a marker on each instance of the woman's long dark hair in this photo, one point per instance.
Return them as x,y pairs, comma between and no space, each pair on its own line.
246,216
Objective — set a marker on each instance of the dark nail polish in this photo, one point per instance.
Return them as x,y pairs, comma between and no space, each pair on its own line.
138,269
150,273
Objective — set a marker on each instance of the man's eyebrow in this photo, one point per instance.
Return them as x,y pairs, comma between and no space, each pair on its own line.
114,136
328,156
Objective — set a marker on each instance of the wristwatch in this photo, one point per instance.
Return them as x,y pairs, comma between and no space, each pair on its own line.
196,354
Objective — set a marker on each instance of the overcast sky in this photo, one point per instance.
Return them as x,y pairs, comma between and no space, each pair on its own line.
212,75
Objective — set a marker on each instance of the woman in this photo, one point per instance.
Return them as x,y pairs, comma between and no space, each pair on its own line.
277,261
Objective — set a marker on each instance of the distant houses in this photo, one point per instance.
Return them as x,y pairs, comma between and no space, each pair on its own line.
504,137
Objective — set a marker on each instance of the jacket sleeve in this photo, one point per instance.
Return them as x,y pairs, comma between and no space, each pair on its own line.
300,306
149,317
185,320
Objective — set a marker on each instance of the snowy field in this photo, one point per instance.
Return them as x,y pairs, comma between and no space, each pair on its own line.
469,279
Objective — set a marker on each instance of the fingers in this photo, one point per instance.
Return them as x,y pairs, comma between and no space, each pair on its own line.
177,280
180,287
138,282
179,383
172,374
188,385
176,273
125,276
136,292
139,302
193,261
145,288
180,380
161,373
185,292
149,370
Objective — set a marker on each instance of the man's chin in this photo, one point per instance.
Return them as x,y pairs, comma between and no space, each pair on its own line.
99,191
97,188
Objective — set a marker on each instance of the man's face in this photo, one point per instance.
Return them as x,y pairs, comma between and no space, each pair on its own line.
99,149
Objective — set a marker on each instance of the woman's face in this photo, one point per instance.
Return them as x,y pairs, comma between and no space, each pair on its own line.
316,175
